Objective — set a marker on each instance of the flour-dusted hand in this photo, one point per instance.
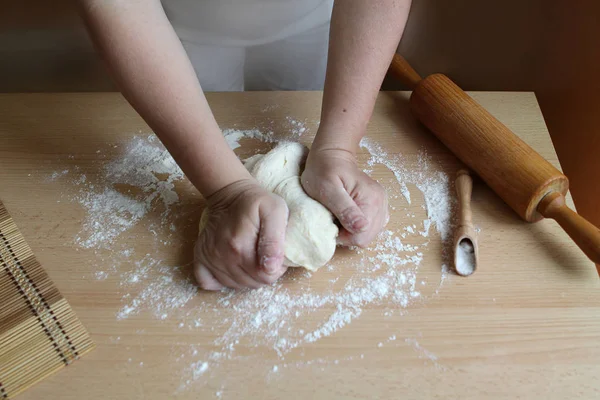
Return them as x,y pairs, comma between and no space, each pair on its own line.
360,203
241,242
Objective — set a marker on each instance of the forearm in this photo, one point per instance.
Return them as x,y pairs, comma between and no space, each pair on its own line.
155,75
364,36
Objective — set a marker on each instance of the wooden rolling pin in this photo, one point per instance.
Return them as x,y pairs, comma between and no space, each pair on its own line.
528,183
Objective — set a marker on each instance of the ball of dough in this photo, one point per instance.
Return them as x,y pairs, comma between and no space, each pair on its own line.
311,232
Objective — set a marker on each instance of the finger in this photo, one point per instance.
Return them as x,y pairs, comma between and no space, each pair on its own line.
228,257
345,238
205,278
239,261
348,239
339,202
237,278
378,221
257,272
269,278
225,279
243,278
271,240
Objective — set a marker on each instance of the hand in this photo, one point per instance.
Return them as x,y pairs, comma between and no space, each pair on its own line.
242,243
360,203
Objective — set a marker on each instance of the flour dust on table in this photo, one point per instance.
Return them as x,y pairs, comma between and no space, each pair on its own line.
141,195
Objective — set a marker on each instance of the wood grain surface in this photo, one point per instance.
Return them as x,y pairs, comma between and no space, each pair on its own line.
525,325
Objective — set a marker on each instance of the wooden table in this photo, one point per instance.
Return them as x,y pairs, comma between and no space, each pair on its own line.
525,325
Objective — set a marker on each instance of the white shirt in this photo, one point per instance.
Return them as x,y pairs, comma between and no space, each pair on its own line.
244,22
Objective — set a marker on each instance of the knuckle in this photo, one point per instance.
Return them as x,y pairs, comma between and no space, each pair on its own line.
278,204
234,247
349,214
282,204
271,202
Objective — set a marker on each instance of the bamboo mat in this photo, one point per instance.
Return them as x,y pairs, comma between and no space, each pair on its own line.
39,333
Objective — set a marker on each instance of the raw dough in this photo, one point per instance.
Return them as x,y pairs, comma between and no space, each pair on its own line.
311,232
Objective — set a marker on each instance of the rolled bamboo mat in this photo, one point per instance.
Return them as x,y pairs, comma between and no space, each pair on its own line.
39,333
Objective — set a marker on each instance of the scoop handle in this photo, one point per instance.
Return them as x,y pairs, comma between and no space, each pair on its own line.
464,188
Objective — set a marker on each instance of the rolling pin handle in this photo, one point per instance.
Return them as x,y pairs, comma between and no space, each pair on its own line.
583,233
402,70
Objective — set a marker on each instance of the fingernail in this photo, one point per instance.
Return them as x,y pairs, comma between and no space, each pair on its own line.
359,225
270,265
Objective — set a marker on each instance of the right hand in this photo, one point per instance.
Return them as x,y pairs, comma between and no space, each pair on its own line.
242,243
333,178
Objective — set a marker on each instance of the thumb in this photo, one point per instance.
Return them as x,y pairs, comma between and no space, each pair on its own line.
271,237
339,202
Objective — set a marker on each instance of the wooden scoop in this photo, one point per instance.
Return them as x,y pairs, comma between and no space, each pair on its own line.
466,253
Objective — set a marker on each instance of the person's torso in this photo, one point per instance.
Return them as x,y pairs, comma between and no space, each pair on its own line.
244,22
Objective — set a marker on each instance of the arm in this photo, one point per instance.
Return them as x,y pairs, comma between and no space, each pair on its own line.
155,75
363,38
242,243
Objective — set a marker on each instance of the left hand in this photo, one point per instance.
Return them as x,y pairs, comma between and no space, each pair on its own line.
333,178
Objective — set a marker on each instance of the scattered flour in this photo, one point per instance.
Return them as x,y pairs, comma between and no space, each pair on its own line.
270,107
57,174
434,185
233,136
444,278
142,166
101,275
198,369
297,128
423,352
109,213
405,192
146,166
163,293
288,315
